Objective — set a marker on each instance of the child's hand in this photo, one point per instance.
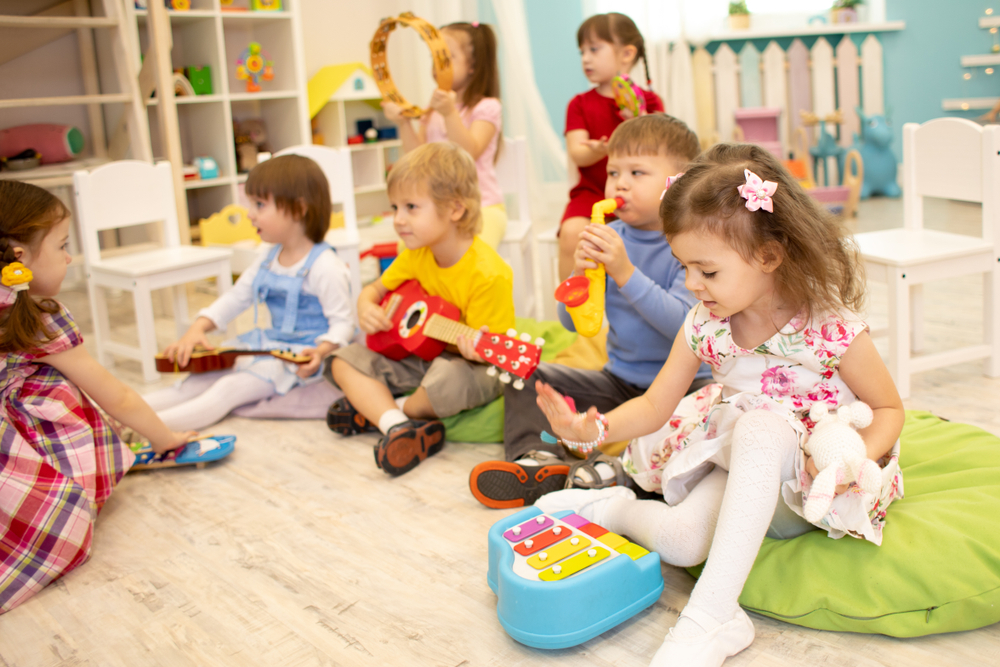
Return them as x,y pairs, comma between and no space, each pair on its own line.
813,471
599,146
444,101
309,368
176,440
180,352
393,112
468,349
566,423
372,319
602,244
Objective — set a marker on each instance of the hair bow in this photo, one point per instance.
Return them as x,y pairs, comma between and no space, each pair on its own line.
758,193
670,181
475,24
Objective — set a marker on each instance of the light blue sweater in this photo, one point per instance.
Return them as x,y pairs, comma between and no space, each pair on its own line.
644,315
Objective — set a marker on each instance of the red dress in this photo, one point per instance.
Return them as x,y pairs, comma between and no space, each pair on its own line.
599,116
59,461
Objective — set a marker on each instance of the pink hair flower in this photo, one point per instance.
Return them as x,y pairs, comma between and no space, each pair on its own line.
670,181
758,193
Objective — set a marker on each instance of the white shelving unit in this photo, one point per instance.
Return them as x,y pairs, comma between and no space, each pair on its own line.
209,35
356,97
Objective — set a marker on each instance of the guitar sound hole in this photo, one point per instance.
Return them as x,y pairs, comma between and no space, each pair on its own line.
413,319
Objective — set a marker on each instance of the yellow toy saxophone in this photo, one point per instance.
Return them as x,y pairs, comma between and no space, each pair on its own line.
584,295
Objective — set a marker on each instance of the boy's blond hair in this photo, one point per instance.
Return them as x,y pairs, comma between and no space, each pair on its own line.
655,134
445,173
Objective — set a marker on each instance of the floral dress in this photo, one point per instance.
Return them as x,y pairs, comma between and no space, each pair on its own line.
786,375
59,461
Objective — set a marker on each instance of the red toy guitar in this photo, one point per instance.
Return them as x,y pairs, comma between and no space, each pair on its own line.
424,325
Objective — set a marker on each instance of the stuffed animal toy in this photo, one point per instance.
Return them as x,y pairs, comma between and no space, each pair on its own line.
840,455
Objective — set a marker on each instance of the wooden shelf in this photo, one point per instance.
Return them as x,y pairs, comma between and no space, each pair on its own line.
373,145
7,21
115,98
196,183
986,60
805,31
51,175
264,95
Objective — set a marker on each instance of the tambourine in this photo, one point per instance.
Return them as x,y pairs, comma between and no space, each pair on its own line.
627,95
439,53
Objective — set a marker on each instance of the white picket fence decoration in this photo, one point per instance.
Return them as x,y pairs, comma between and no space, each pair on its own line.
821,79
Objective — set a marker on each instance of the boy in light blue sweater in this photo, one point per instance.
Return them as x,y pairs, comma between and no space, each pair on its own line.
645,305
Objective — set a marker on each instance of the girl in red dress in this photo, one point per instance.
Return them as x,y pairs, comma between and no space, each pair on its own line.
610,45
59,456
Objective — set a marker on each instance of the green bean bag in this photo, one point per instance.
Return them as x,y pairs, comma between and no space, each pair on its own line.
938,569
485,423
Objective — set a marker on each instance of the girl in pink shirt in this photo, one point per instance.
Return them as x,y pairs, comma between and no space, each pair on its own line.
468,115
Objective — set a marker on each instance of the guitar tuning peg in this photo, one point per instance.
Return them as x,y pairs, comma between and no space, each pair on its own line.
526,337
518,384
512,333
539,342
492,371
505,378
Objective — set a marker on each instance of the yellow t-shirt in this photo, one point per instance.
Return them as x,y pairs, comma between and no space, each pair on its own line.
480,284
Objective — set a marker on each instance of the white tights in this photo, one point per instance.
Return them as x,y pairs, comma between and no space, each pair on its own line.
205,398
725,517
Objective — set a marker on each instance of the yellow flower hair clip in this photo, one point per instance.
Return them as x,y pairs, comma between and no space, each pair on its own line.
16,276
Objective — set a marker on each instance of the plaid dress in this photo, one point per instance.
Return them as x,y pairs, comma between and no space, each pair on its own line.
59,461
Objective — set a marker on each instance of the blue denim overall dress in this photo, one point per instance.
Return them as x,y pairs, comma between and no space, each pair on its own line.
297,319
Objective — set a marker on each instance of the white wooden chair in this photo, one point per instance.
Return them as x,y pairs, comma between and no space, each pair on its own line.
124,194
336,164
952,158
518,244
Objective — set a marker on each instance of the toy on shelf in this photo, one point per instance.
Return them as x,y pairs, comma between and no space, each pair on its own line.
826,144
207,166
29,158
561,580
840,455
440,56
200,79
251,140
56,143
759,125
630,100
424,325
253,66
584,295
266,5
843,198
178,5
880,161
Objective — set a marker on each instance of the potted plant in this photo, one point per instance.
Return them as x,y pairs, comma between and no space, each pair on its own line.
739,15
845,11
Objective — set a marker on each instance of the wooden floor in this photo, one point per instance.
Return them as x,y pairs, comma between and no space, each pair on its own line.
297,550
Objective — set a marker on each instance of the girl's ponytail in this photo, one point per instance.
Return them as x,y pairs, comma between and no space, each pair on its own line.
27,213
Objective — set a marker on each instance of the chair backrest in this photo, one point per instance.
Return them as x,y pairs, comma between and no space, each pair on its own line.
952,158
123,194
336,164
512,175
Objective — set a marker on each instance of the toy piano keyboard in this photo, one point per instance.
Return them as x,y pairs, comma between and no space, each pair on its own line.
561,580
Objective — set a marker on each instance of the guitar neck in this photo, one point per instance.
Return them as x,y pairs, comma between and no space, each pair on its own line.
443,329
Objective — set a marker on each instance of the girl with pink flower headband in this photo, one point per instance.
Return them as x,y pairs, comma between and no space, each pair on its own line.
779,284
60,458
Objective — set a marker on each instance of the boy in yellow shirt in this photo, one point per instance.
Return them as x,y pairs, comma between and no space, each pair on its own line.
435,195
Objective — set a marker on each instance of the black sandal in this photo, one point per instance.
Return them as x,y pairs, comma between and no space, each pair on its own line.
589,465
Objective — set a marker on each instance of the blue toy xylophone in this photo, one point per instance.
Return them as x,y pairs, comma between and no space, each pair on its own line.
561,580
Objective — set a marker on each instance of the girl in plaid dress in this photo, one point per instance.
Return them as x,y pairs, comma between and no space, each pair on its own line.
59,457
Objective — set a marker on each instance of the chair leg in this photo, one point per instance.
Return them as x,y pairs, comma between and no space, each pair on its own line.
991,319
99,314
146,326
917,318
181,316
224,283
516,261
899,337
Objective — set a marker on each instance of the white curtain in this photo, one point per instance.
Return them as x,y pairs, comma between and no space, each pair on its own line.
526,116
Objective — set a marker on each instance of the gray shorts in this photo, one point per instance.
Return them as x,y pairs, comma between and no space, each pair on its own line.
452,382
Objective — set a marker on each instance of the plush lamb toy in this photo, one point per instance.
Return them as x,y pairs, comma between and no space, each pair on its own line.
840,455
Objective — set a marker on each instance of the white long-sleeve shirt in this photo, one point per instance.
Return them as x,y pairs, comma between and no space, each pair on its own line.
328,280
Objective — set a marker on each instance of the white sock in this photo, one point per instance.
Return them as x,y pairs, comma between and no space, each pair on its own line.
390,418
588,503
401,400
763,450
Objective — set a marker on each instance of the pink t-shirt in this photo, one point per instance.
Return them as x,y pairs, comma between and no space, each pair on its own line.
490,110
